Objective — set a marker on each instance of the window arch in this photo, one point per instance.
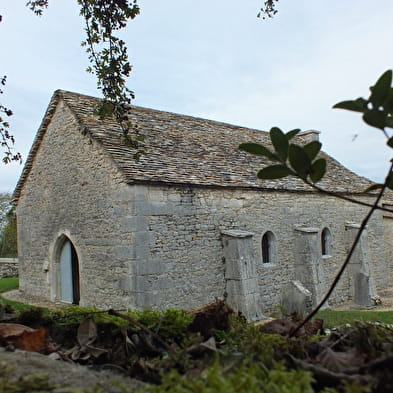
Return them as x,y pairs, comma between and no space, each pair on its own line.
326,242
268,245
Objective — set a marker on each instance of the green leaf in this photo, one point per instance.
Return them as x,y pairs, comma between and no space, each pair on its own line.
292,133
299,160
389,122
376,186
375,118
359,105
274,172
280,143
381,90
318,170
258,150
312,149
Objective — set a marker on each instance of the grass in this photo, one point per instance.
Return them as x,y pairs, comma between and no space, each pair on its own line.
8,284
336,318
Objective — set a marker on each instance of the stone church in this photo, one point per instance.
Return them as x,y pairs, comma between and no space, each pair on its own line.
187,223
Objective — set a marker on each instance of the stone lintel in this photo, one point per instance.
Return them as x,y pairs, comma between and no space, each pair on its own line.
237,233
306,229
351,225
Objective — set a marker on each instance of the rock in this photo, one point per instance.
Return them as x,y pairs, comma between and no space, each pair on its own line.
66,376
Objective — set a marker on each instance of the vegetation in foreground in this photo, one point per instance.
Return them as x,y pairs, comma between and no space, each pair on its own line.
213,350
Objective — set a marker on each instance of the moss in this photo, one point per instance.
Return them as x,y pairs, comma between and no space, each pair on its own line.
29,383
250,378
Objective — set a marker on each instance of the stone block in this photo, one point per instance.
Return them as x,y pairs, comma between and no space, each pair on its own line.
362,289
296,298
242,287
134,284
149,266
124,253
249,306
135,224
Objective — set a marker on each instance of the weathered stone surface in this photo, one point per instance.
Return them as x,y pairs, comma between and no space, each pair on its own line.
8,267
296,298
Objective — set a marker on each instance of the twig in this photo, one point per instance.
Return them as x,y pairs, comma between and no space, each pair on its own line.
143,327
345,198
325,376
347,259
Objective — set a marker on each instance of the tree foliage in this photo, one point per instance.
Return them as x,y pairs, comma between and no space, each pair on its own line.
6,138
109,63
5,207
268,10
8,240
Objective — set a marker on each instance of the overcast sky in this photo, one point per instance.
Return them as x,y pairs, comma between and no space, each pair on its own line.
212,59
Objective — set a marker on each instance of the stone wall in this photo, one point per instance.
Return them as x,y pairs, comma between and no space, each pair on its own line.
69,194
8,267
160,246
180,244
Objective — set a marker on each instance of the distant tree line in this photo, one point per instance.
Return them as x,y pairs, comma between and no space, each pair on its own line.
8,234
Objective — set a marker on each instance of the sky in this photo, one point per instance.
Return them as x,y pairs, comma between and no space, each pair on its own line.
214,59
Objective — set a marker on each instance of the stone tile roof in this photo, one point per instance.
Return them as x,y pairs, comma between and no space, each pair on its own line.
186,150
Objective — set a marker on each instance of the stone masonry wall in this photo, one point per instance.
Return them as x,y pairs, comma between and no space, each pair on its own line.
69,192
177,233
8,267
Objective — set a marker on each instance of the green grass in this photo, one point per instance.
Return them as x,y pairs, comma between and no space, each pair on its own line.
336,318
7,284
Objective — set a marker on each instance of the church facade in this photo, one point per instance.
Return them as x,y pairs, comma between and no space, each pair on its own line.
187,223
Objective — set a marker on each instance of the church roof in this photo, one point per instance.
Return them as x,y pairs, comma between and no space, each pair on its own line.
185,150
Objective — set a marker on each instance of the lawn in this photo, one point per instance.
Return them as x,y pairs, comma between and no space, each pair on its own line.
336,318
8,284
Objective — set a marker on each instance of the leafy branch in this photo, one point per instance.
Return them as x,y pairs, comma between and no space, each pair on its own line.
6,138
109,58
268,10
302,161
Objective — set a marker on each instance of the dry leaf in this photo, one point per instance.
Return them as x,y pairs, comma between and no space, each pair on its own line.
24,337
87,332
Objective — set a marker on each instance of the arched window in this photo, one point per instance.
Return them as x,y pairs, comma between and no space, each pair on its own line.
326,242
69,273
268,247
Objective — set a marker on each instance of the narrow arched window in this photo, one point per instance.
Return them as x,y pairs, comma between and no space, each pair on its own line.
326,240
268,247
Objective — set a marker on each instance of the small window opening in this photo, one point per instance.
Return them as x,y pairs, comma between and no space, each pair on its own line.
268,247
326,238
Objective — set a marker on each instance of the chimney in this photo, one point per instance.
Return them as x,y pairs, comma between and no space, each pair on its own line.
309,136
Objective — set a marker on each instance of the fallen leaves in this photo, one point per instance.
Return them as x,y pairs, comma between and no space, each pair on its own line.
24,337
